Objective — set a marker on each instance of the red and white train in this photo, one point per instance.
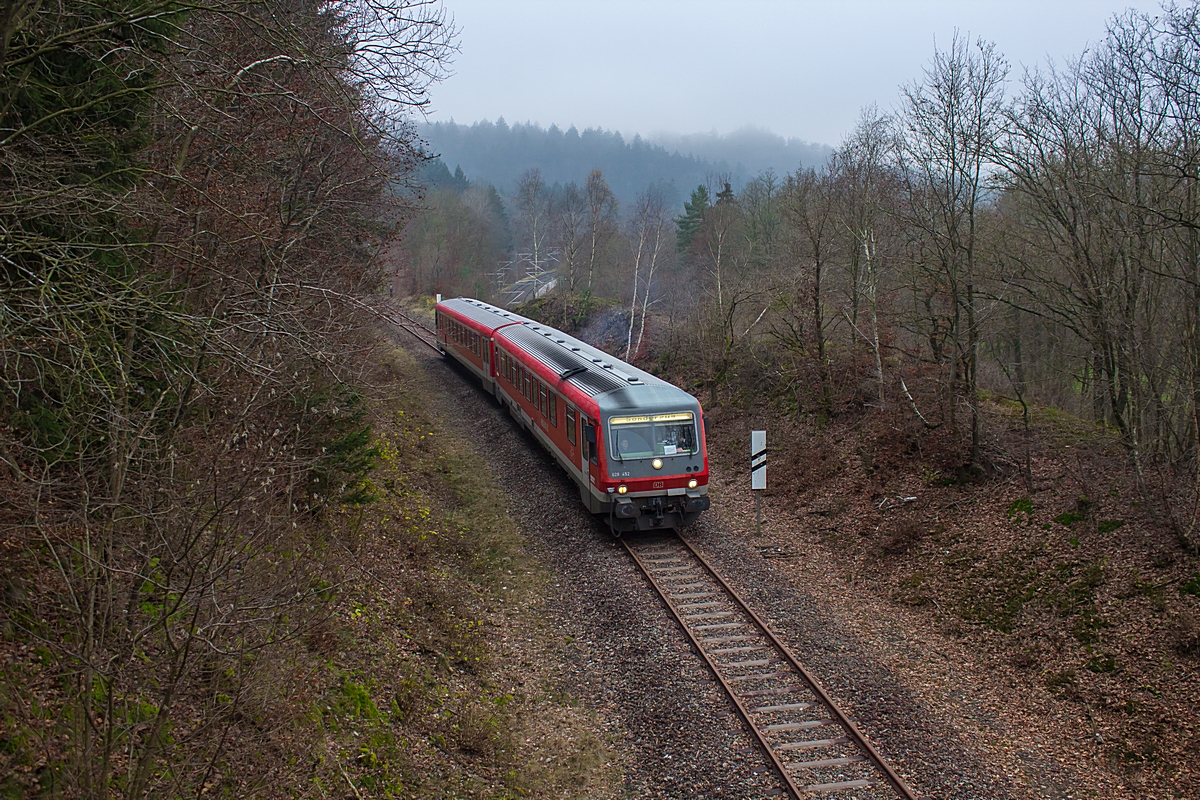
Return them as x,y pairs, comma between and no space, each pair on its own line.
634,444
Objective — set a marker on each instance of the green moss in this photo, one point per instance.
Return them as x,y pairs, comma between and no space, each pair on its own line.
1022,507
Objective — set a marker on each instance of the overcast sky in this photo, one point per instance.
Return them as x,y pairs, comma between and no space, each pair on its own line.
799,68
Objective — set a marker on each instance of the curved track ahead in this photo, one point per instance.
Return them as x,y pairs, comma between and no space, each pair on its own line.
411,325
812,744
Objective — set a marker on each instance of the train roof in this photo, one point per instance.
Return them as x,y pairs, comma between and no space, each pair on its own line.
615,384
487,315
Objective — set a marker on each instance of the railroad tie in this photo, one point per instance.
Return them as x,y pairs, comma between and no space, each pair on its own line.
813,744
764,676
758,662
773,692
724,651
788,727
784,707
691,606
708,615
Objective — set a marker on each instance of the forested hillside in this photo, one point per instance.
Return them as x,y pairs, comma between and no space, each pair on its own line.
498,153
196,475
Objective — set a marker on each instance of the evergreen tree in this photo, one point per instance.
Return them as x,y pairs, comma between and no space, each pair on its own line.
692,218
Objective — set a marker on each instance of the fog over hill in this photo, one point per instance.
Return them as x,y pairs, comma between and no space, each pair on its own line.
497,153
748,151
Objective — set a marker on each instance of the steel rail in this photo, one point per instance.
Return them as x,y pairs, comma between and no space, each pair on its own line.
414,327
839,718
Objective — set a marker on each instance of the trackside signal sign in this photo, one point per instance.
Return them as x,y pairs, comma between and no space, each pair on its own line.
758,459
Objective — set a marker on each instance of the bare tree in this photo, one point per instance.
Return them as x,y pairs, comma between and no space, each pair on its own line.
651,217
863,168
949,128
569,212
602,221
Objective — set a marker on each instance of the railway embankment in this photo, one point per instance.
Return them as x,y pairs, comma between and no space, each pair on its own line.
442,673
1058,613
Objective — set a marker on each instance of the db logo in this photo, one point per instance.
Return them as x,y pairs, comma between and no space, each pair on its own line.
658,484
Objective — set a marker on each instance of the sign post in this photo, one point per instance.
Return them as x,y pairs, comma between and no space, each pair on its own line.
758,474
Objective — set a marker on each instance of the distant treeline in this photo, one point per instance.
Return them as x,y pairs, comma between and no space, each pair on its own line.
498,154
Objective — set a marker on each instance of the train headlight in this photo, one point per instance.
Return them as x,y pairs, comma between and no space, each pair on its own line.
656,463
692,483
622,489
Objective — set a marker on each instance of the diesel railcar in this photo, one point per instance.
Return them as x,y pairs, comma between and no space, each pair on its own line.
634,444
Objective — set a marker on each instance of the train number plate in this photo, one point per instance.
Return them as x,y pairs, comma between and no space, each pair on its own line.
658,484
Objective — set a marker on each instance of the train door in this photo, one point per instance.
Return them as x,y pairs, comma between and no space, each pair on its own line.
590,459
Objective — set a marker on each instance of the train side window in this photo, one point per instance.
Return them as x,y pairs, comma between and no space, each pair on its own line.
572,437
543,400
553,409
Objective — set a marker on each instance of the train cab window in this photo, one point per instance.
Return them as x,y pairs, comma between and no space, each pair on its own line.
553,409
543,400
572,437
648,436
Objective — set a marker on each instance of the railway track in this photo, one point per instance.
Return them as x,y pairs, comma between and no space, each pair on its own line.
413,326
815,748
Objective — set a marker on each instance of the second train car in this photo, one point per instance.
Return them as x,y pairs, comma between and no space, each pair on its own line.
634,444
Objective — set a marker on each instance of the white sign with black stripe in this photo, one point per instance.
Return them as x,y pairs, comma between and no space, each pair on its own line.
758,459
